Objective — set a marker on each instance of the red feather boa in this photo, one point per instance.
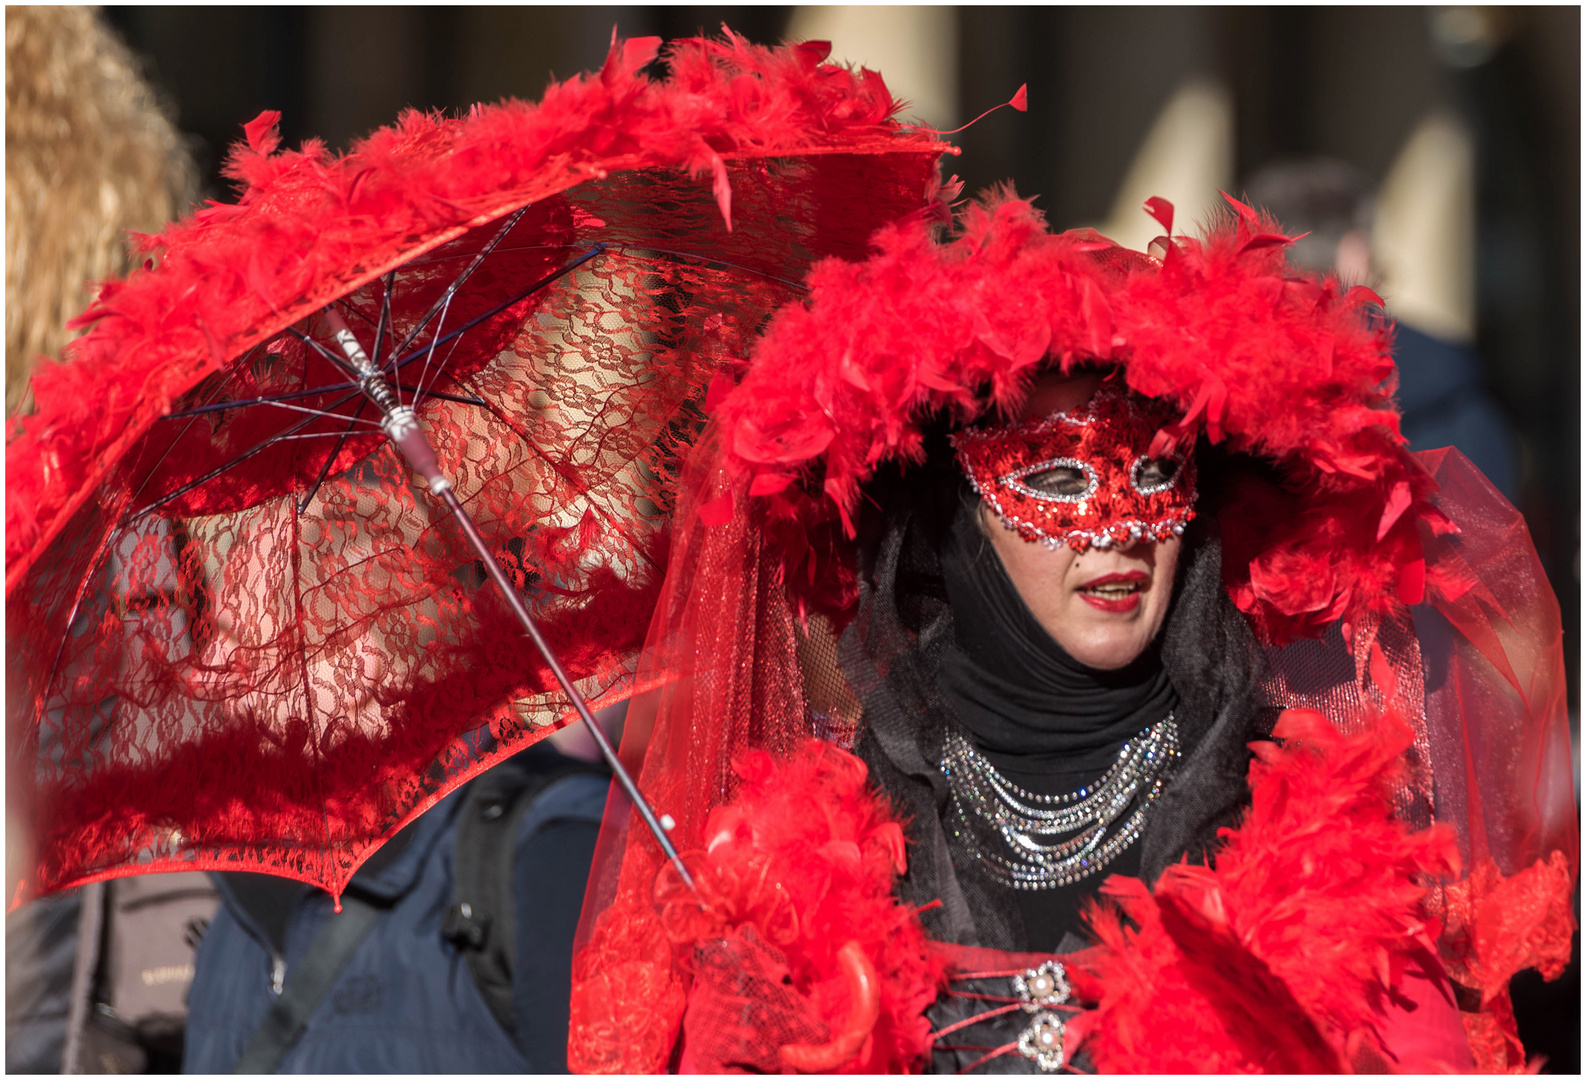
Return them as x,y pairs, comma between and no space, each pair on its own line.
803,859
1284,955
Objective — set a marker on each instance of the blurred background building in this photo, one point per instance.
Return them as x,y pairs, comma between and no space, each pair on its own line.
1460,125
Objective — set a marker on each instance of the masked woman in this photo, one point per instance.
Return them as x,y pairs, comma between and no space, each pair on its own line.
1051,534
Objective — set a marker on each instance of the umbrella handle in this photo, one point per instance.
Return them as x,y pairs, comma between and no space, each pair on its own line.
402,426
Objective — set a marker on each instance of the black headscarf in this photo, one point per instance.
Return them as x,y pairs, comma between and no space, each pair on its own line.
1040,716
895,647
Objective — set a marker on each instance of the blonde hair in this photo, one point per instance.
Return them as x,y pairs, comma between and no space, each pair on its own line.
89,155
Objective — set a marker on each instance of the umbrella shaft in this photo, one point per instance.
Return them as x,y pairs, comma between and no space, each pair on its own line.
403,428
606,749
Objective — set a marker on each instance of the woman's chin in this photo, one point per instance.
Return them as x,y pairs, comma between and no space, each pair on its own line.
1098,637
1109,648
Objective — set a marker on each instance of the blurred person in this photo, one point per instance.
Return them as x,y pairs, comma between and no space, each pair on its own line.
96,978
90,156
1440,380
452,951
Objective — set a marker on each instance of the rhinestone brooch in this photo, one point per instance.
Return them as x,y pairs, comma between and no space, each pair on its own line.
1042,987
1042,1041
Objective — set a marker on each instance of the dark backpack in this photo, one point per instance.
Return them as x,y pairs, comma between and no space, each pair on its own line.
97,977
480,921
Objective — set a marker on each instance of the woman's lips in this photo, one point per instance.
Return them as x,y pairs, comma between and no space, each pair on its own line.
1118,593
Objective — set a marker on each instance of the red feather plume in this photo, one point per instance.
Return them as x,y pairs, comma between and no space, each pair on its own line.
798,867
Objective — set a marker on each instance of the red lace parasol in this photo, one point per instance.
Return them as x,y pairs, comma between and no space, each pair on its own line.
241,636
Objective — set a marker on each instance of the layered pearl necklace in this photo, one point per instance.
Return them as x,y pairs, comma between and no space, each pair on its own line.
1024,840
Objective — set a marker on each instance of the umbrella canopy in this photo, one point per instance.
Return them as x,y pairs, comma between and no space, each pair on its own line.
241,636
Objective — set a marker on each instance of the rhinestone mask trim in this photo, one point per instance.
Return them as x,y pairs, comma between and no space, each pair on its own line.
1108,443
1015,480
1028,841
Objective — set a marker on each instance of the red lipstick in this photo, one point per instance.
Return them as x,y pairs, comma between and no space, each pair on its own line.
1120,592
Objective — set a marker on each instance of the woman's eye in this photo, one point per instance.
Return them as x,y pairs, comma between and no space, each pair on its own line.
1063,480
1154,474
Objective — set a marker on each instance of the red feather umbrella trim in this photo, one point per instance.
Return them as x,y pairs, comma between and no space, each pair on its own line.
1255,355
311,226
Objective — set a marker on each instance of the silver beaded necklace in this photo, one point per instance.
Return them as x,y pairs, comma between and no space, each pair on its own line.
1029,841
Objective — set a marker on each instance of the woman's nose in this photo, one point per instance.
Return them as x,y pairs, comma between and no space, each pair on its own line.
1131,541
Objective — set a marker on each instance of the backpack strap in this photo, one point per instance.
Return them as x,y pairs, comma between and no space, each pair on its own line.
482,920
306,986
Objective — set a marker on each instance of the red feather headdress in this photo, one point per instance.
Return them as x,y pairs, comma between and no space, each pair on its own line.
1255,355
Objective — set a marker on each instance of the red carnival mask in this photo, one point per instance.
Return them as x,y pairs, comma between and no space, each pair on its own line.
1084,477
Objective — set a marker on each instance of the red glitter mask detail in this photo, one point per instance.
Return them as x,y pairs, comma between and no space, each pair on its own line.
1085,477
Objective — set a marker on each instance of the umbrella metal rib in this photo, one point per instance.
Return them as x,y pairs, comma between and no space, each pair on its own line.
443,302
239,459
400,360
393,365
330,459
